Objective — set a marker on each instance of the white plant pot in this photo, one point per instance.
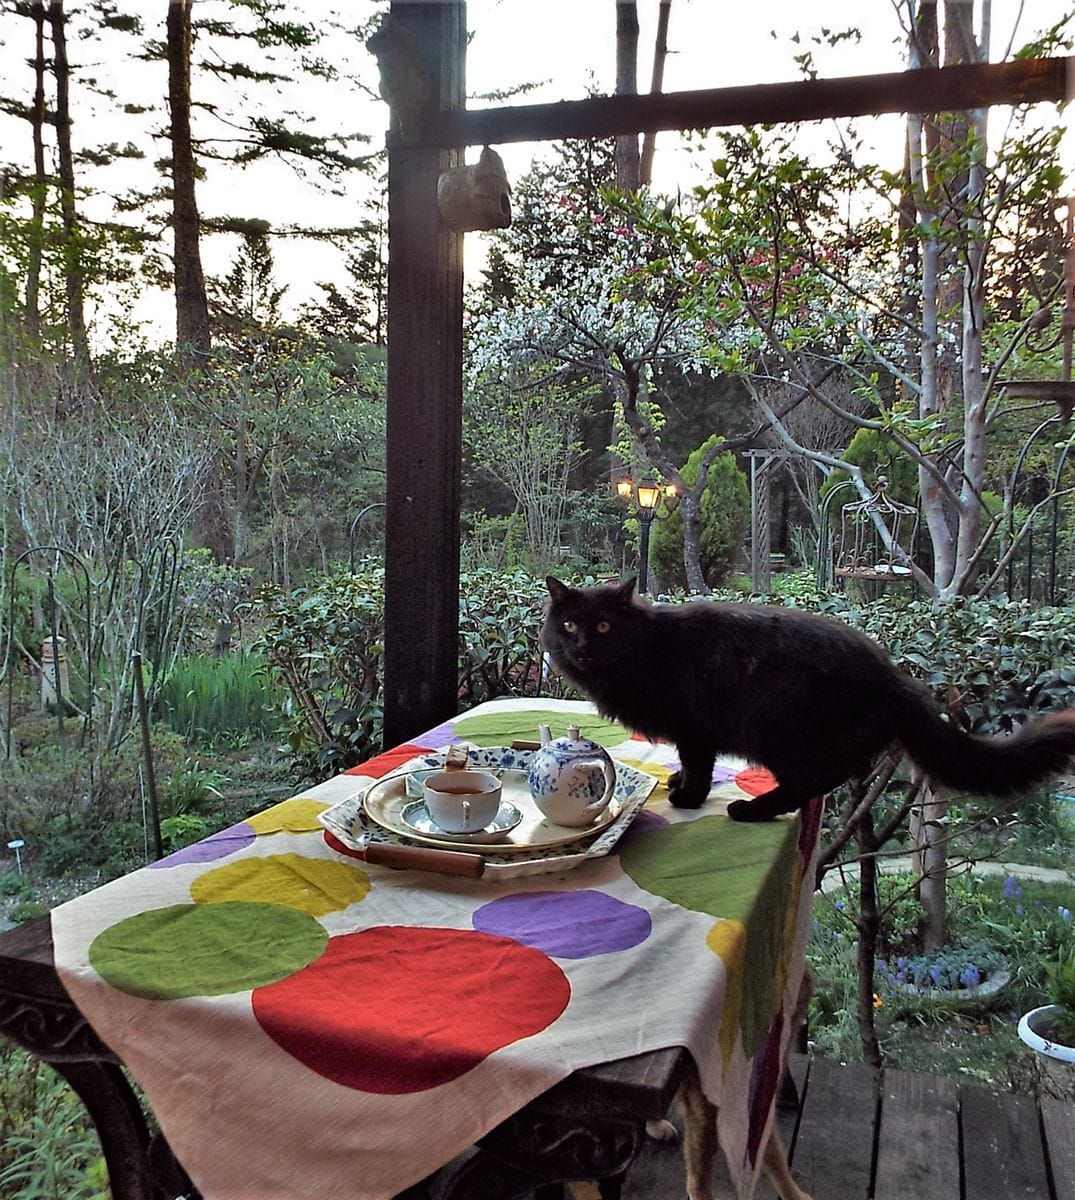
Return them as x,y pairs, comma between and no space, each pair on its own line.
1033,1027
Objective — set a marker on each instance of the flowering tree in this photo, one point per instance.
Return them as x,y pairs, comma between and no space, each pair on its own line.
604,303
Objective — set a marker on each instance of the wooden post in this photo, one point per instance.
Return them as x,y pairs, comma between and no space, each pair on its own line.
425,401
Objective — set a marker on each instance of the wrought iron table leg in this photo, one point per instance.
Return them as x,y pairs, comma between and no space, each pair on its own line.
103,1089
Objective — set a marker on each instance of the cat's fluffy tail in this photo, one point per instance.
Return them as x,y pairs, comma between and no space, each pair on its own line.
987,766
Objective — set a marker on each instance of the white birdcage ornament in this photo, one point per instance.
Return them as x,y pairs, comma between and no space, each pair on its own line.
862,552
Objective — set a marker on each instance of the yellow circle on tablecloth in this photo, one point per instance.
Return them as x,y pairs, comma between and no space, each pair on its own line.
728,941
659,772
311,885
292,816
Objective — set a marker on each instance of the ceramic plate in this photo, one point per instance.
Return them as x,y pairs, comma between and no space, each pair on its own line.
415,816
386,801
353,823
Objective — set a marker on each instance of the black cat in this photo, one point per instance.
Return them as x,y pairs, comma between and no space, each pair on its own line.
808,697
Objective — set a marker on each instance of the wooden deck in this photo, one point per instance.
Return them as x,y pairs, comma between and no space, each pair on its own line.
893,1135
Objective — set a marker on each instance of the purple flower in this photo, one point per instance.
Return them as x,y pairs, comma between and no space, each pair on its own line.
1064,913
935,974
970,976
1009,887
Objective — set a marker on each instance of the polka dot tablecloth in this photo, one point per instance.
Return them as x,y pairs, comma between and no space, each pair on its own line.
305,1024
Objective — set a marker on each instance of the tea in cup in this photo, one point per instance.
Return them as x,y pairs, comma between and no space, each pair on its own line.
462,801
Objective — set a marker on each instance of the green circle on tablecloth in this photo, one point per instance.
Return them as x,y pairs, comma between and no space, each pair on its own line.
502,728
205,949
713,865
741,871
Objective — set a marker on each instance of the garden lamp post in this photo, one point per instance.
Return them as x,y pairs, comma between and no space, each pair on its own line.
648,496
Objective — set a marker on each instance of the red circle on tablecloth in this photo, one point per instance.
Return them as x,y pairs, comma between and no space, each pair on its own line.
396,1009
755,781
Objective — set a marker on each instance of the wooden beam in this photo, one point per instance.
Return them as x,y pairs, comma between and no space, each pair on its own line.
425,404
979,85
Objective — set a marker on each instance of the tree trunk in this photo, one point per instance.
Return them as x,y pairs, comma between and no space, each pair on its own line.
191,307
37,226
933,885
627,161
660,54
869,924
76,315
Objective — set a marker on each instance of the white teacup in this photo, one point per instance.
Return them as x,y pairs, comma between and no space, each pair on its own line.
462,801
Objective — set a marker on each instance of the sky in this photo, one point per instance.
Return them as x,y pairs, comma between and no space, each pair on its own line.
567,48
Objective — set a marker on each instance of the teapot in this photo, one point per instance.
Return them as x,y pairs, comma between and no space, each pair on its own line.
571,779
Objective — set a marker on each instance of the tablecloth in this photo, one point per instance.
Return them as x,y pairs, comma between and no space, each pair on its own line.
305,1024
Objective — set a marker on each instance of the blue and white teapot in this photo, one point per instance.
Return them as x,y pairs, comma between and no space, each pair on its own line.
571,779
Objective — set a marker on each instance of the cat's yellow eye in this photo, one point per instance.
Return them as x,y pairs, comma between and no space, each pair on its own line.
570,627
603,627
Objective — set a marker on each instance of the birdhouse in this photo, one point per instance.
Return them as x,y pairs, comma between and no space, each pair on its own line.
476,196
876,536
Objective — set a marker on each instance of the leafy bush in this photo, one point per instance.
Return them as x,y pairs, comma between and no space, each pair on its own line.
1002,661
328,644
75,810
500,618
48,1147
725,514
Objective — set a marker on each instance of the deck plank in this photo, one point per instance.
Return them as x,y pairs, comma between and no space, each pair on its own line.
1058,1121
1003,1153
833,1152
918,1138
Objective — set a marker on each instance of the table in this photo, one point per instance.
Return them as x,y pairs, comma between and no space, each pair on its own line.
303,1023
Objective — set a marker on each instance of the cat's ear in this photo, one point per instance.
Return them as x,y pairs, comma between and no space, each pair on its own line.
557,590
627,589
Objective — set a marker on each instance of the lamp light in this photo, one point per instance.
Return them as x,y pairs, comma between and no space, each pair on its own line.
649,493
624,487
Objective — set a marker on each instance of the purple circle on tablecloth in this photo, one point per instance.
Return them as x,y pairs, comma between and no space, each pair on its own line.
443,735
566,924
724,774
644,822
217,845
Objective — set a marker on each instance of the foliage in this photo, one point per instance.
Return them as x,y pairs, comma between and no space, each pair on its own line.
725,515
328,643
190,790
181,830
80,810
48,1147
500,617
522,427
208,699
948,969
1060,975
1020,926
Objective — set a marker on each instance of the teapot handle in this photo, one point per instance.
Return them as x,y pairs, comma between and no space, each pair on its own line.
598,806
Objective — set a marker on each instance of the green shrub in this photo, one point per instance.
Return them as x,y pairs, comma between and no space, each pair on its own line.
90,798
725,515
48,1147
210,699
328,644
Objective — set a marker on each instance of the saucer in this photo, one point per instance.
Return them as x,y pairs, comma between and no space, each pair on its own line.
416,817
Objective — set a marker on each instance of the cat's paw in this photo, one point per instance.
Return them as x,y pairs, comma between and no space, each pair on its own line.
661,1131
680,797
747,810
